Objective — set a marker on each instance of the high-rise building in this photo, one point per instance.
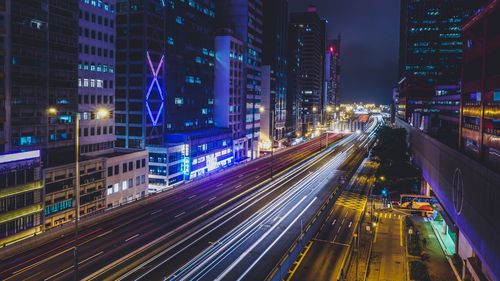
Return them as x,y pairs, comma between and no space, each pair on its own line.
96,78
180,74
230,90
332,73
274,54
306,51
480,99
38,104
430,46
245,18
140,73
189,65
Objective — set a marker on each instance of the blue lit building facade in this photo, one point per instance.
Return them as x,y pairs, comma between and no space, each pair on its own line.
189,155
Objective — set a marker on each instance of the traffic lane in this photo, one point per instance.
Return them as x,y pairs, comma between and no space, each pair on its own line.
324,264
64,257
171,266
112,248
174,199
317,188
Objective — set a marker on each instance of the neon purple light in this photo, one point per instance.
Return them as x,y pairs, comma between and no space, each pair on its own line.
154,117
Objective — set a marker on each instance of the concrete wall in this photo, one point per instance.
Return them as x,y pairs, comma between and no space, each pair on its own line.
468,191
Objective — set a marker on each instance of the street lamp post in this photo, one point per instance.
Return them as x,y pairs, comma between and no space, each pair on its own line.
77,191
271,122
101,113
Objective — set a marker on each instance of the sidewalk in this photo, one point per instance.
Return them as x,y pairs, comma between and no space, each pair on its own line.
438,265
388,258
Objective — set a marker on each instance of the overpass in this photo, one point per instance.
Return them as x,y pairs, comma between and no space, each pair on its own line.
469,193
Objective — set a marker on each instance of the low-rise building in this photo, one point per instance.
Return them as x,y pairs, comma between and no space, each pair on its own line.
127,177
189,155
21,199
60,186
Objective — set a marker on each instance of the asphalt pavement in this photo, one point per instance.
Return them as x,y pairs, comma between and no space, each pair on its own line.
106,243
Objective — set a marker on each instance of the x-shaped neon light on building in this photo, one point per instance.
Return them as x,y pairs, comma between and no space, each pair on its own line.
154,71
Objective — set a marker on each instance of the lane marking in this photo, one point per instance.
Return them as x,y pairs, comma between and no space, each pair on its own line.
219,185
91,257
238,186
179,214
240,176
156,212
297,264
350,224
132,237
192,196
335,238
334,221
221,276
60,272
376,231
401,233
211,199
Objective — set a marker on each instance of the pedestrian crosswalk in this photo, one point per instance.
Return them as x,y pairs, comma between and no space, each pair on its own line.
352,200
386,215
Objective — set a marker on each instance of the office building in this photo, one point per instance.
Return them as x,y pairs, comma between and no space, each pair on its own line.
274,54
189,155
189,65
430,47
39,103
332,74
245,18
306,51
21,196
140,73
230,90
480,99
96,78
126,177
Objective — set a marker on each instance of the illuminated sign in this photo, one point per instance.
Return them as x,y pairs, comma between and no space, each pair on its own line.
59,206
155,116
19,156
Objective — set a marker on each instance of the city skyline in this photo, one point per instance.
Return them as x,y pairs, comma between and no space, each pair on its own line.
370,45
249,140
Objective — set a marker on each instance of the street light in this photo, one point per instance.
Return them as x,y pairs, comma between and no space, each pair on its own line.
262,110
100,113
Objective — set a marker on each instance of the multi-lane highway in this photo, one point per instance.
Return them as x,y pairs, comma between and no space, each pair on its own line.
254,245
327,253
127,239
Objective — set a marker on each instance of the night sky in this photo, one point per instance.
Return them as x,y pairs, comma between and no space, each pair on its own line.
370,44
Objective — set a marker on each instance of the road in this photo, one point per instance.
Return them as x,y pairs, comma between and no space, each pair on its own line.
387,261
139,231
250,250
327,252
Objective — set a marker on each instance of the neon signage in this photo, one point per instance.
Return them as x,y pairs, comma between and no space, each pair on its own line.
155,116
